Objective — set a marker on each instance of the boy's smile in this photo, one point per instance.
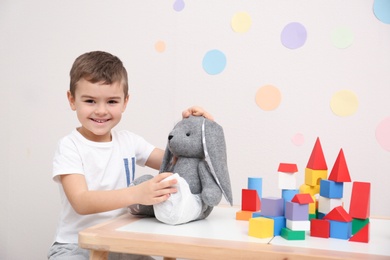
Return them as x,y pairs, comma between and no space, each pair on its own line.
99,108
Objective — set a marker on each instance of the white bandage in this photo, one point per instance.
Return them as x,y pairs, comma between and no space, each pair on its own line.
181,207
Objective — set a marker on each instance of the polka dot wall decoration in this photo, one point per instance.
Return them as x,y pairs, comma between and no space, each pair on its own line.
214,62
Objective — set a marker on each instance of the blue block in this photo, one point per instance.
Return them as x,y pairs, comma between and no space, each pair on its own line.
320,215
257,215
287,195
341,230
255,183
331,189
279,223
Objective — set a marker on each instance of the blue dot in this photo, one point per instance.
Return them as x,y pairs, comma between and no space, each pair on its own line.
214,62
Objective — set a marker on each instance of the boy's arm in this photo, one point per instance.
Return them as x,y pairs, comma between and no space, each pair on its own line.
85,201
155,159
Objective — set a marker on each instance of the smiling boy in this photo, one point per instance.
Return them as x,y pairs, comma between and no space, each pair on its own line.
95,164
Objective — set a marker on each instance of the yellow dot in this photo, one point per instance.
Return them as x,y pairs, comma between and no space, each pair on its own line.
344,103
160,46
241,22
268,97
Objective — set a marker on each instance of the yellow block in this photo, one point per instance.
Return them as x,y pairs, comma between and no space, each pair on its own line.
312,190
244,215
261,227
313,177
313,206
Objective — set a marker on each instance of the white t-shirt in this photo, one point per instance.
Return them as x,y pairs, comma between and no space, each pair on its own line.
106,166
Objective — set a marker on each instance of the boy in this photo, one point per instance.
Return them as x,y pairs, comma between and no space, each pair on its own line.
94,165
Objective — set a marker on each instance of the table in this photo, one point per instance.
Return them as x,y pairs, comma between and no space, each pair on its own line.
220,236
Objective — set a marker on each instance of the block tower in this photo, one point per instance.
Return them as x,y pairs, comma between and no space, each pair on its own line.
315,171
250,199
331,190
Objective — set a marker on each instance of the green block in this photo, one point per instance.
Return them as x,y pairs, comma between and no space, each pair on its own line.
358,224
311,216
292,234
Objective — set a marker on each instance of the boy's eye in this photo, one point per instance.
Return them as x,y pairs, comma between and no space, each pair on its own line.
89,101
112,102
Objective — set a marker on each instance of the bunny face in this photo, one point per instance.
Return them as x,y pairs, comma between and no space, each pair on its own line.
185,140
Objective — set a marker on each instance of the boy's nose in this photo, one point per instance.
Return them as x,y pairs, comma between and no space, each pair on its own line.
101,109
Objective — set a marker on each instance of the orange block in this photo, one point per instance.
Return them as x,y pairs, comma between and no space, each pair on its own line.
360,200
363,235
317,159
340,171
244,215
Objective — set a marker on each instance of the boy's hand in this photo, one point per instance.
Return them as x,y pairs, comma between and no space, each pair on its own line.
155,190
196,111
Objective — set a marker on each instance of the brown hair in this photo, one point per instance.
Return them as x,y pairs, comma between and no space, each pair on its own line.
98,66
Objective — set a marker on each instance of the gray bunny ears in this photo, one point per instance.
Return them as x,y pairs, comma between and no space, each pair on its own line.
210,146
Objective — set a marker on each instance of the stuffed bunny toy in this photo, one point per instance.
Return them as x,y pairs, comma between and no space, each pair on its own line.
196,153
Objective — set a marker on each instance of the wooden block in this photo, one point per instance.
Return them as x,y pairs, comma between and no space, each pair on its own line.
363,235
256,183
312,190
244,215
298,224
313,177
340,171
261,227
296,211
303,198
272,207
339,214
317,158
319,228
279,223
313,206
292,235
331,189
340,230
287,181
325,205
250,200
358,224
360,200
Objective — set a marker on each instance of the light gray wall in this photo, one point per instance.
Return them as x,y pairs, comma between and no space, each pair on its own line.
40,40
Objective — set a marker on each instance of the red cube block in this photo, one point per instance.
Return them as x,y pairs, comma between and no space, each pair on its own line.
319,228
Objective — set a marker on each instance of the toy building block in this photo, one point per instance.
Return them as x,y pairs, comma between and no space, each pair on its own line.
340,229
298,224
340,171
287,195
279,223
286,176
289,234
272,207
255,183
257,214
317,159
313,177
244,215
338,214
360,200
296,211
331,189
326,205
358,224
261,227
303,198
363,235
250,200
319,228
313,206
312,190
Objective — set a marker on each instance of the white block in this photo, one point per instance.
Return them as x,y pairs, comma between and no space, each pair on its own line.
325,205
287,181
298,224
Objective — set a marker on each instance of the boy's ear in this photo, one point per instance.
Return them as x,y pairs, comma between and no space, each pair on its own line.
125,103
71,100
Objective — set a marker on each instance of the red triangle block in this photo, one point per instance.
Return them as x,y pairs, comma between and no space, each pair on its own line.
338,214
363,235
302,198
340,171
317,159
288,167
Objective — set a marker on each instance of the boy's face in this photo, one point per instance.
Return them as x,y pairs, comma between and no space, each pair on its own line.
99,108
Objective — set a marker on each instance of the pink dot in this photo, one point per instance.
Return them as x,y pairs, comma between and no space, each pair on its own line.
382,133
298,139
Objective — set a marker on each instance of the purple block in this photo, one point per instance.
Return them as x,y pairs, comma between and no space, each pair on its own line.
272,207
296,211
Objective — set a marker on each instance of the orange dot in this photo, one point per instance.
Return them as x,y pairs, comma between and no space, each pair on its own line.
160,46
268,97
